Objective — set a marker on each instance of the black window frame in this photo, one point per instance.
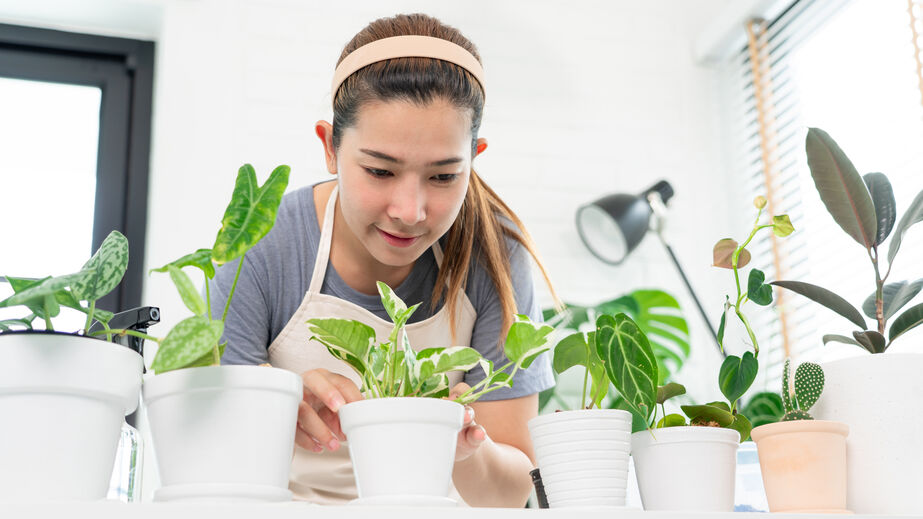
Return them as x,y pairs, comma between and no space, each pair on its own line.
124,70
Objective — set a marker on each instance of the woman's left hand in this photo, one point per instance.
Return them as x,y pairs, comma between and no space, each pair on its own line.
471,435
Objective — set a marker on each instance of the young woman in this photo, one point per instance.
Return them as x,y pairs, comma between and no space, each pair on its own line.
406,208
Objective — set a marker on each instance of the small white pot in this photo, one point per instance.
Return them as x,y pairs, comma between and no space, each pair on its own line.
223,433
402,447
583,456
878,397
686,468
63,399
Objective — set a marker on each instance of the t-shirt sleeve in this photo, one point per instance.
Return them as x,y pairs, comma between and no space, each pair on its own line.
487,328
246,328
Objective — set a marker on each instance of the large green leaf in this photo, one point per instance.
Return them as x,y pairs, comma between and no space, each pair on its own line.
525,341
841,189
186,343
914,214
737,375
764,408
894,297
571,351
444,360
706,413
629,361
251,213
825,298
742,425
883,199
103,272
908,320
201,259
187,291
345,339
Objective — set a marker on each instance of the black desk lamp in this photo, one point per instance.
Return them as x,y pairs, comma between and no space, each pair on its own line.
614,225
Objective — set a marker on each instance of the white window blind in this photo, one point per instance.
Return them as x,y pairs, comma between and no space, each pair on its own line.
848,67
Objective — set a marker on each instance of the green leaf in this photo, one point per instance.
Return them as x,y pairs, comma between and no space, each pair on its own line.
883,199
251,213
209,358
913,215
907,321
841,338
394,305
629,360
782,225
671,420
894,297
186,343
737,375
187,291
742,425
840,187
455,358
525,341
825,298
669,391
758,292
67,299
723,323
704,414
571,351
764,408
201,259
723,254
103,272
347,340
33,295
871,340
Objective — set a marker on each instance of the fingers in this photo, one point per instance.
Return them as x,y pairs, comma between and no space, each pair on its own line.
458,390
313,426
306,442
328,389
469,416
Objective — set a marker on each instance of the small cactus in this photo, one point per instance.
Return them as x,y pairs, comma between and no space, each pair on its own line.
809,383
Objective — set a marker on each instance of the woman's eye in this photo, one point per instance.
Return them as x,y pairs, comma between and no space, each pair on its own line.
380,173
445,178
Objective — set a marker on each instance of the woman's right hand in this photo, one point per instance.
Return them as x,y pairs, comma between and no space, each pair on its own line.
318,425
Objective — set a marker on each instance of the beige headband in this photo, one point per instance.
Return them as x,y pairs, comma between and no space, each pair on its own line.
406,47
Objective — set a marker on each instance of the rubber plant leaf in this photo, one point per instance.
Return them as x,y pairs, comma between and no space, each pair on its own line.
885,207
871,340
910,319
894,297
825,298
914,214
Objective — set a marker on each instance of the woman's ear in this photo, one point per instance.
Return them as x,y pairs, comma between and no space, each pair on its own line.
481,146
324,131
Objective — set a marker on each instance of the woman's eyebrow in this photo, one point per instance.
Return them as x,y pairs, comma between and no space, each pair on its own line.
389,158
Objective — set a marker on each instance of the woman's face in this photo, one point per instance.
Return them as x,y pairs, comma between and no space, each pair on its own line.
403,173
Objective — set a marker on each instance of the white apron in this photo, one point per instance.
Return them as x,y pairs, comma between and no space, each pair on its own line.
327,478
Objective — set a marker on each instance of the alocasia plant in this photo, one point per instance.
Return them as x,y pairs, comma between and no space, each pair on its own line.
392,368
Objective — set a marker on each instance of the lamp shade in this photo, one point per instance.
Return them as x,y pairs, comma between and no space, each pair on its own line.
614,225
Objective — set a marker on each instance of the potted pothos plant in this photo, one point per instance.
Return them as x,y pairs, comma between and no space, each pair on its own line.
221,432
803,460
871,393
64,396
402,436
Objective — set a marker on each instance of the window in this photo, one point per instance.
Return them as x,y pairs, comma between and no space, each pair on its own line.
849,68
75,141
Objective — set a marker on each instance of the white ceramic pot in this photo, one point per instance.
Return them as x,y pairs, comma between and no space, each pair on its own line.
223,433
583,456
402,448
878,397
63,399
686,468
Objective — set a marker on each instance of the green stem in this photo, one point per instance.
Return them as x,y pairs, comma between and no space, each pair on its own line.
208,298
586,376
227,304
486,379
879,294
48,325
756,347
120,331
90,310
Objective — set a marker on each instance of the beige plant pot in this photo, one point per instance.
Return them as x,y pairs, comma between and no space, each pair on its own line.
804,465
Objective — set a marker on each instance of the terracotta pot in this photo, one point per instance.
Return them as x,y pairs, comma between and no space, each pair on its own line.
804,465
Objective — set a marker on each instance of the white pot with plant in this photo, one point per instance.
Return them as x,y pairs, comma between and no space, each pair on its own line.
64,396
222,433
402,436
871,393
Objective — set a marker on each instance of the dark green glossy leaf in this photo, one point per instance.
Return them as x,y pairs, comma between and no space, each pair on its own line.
103,272
186,343
742,425
669,391
883,199
825,298
840,187
251,213
758,292
201,259
871,340
705,414
894,297
723,323
913,215
737,375
764,408
629,361
571,351
907,321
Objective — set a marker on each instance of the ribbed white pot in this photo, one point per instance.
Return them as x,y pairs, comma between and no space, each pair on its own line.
63,399
878,397
583,456
686,468
402,447
223,433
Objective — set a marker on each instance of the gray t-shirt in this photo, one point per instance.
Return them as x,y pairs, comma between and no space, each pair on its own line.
277,273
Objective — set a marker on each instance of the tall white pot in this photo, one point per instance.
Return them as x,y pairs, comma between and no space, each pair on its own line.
62,402
686,468
402,448
223,433
878,396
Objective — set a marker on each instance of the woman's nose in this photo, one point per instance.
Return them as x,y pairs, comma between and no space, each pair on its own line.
408,203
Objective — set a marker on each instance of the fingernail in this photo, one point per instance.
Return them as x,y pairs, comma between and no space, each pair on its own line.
337,403
470,413
317,448
333,444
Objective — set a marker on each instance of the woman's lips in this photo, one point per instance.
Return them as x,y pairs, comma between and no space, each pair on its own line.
396,240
